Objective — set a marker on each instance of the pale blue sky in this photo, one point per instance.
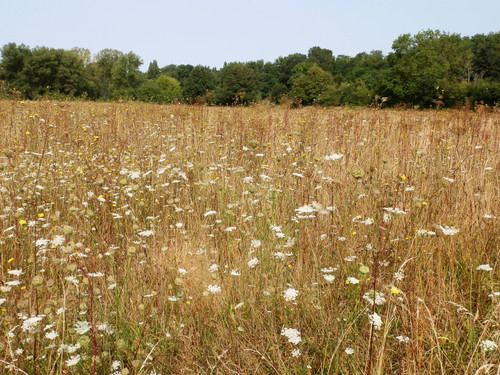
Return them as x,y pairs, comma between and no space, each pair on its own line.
213,32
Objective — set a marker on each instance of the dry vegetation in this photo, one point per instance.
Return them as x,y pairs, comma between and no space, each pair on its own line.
141,239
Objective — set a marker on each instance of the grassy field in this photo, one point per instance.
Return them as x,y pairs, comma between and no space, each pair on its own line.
142,239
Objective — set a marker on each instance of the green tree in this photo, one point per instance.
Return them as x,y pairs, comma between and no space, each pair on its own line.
486,56
14,60
322,57
285,67
309,86
422,65
199,83
153,70
237,84
126,77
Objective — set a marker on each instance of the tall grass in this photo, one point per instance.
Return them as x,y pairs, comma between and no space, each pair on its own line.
142,239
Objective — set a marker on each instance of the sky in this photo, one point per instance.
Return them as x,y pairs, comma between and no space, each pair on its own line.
210,33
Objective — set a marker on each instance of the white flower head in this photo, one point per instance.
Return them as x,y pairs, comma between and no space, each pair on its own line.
290,294
375,321
488,345
333,157
292,335
484,267
449,231
252,263
214,289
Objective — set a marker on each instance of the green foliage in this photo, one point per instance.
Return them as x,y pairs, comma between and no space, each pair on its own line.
153,70
420,64
309,86
199,83
164,89
322,57
238,84
126,77
486,56
429,69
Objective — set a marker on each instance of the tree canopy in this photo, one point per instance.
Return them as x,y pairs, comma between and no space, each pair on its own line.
429,69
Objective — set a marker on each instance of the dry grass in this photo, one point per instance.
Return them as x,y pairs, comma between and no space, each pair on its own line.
116,218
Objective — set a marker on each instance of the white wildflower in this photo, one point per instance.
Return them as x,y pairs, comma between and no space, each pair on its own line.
292,335
403,339
296,353
375,321
349,351
213,268
15,272
58,240
484,267
146,233
378,300
214,289
253,262
488,345
290,294
352,280
51,335
329,278
449,231
73,360
82,327
255,243
333,157
209,213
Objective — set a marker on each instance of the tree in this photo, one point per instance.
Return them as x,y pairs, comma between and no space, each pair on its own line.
126,77
164,89
238,84
14,60
486,56
309,86
285,67
422,65
153,70
322,57
201,80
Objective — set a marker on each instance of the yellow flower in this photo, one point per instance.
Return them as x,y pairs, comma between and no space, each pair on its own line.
22,222
395,290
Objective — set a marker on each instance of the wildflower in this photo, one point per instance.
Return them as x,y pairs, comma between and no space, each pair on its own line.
399,275
403,339
333,157
58,240
290,294
213,268
378,300
252,263
375,321
305,209
296,353
487,216
352,280
484,267
349,351
214,289
230,229
329,278
449,231
82,327
488,345
448,179
255,243
15,272
395,211
235,272
179,225
51,335
182,271
395,290
30,324
146,233
73,360
292,335
2,301
328,270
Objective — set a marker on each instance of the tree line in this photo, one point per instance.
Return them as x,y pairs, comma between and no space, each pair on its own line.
428,69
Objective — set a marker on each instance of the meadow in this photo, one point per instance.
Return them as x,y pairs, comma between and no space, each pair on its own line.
148,239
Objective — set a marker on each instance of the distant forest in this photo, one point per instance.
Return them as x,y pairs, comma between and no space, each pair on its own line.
429,69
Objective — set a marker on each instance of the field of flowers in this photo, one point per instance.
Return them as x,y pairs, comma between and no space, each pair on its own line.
143,239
